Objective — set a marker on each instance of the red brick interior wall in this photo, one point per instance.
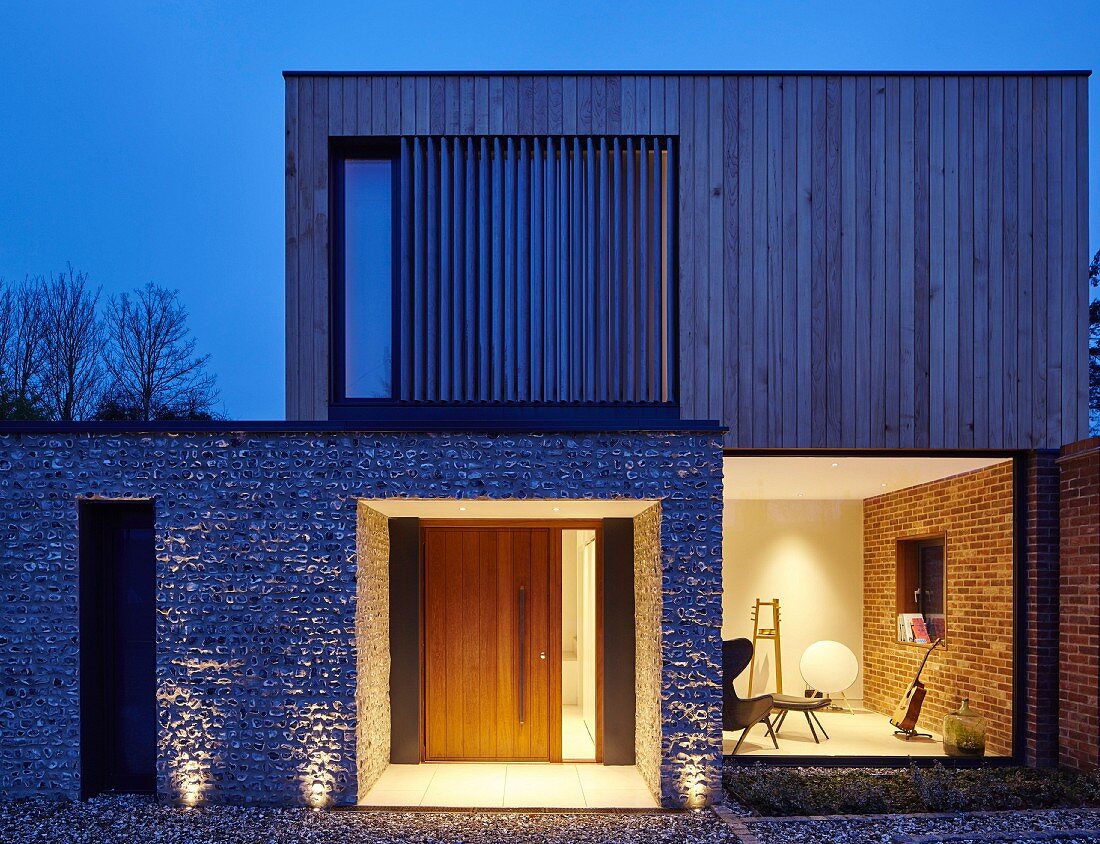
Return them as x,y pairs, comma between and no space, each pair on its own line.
1079,606
975,512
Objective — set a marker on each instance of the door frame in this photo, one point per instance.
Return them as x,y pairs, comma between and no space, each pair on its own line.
556,527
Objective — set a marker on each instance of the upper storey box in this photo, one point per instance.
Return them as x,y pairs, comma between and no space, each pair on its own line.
815,260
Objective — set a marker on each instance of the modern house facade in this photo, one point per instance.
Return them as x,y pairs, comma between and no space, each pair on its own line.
558,346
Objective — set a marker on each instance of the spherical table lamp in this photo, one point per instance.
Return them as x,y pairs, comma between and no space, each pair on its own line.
830,668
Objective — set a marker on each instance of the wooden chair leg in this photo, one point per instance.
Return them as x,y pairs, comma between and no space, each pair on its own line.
737,746
813,732
818,721
771,732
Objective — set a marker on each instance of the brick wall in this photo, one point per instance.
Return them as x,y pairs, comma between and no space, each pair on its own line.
1039,614
1079,606
975,512
256,590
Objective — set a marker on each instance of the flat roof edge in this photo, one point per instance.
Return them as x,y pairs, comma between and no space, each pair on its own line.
683,426
287,74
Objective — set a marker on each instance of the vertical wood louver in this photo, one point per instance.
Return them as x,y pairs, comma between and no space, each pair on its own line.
537,270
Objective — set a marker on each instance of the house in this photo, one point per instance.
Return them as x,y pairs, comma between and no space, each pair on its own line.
579,368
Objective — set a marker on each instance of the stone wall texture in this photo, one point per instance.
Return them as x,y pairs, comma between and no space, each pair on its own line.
1079,606
257,590
647,646
975,512
372,636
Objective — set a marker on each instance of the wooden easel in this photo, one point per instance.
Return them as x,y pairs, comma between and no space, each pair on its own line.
766,634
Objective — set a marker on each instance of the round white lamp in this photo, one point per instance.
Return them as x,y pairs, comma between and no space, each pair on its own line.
830,668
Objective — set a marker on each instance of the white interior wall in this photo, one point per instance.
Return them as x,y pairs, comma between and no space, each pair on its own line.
809,555
586,651
570,677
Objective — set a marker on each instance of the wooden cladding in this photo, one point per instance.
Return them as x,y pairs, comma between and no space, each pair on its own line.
536,270
884,261
862,260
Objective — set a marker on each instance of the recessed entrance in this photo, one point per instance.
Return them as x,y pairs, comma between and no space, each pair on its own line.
446,608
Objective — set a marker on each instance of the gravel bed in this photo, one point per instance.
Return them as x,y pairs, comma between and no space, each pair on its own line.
1062,825
140,820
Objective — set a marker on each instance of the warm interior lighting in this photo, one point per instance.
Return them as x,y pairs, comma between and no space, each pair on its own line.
835,465
462,509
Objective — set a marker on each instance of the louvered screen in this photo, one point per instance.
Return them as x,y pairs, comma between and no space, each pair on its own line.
537,270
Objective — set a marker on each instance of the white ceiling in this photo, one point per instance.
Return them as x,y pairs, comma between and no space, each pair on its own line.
833,478
453,508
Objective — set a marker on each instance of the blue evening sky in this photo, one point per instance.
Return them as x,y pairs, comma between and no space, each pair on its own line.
144,141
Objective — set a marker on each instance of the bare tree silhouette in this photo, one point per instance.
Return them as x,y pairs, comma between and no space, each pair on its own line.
151,359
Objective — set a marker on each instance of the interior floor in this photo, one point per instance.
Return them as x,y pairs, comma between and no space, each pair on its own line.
577,742
505,785
863,733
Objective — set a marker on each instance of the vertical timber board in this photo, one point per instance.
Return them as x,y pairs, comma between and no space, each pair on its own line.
815,398
935,261
744,298
834,281
1080,260
306,242
688,281
317,406
849,319
730,239
293,374
715,261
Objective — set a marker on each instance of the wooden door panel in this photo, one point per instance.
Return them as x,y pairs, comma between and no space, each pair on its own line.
474,664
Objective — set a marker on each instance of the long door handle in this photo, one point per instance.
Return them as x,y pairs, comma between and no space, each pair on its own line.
522,653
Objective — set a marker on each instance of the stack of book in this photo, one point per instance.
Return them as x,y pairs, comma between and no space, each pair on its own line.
913,628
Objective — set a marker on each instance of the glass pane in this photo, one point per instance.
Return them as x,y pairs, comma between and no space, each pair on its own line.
368,278
930,561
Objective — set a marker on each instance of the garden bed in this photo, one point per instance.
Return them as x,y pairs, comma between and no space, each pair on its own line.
774,791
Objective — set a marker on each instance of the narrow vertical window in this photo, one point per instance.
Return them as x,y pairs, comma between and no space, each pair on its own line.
368,278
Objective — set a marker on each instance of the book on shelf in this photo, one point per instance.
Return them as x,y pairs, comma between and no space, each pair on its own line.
905,626
920,631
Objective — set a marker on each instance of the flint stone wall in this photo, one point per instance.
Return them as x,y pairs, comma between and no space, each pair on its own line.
256,590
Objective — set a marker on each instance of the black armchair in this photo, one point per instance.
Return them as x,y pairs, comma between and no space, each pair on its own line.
738,713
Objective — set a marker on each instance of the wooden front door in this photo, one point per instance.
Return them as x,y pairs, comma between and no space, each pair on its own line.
490,595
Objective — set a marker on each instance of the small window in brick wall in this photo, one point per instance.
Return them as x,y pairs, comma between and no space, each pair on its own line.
922,589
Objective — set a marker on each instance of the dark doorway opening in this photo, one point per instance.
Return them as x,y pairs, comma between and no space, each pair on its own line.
117,647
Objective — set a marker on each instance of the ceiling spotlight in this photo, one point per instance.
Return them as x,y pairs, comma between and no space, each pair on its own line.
800,495
835,465
463,509
556,509
884,486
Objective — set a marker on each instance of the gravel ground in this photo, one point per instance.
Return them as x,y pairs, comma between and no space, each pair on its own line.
138,820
